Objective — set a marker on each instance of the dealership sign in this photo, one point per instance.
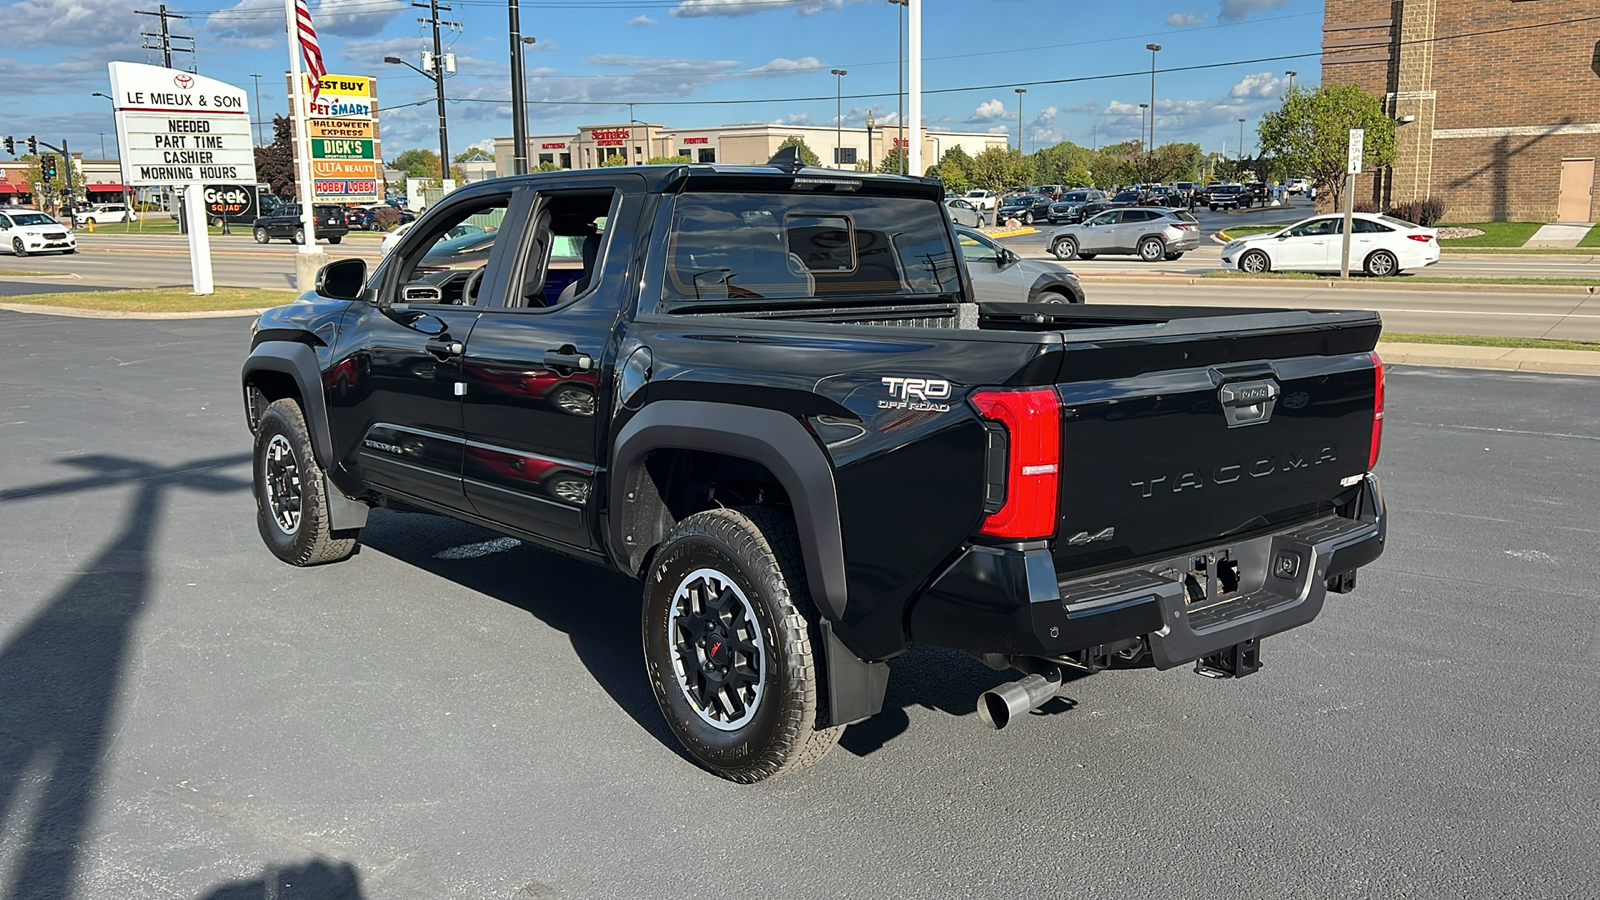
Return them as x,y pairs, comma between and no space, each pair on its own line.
178,128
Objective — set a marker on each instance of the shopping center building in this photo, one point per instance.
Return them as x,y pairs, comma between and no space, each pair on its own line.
1496,102
749,144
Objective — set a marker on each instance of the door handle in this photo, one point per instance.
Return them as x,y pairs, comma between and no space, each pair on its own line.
568,358
444,349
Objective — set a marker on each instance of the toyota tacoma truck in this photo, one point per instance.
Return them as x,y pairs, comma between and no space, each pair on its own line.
765,392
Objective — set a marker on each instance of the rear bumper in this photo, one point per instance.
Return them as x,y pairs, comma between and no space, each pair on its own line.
1008,600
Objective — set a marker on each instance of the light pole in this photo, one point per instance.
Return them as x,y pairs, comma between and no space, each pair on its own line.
1291,73
519,98
1241,140
1142,111
257,116
1154,49
1094,137
121,175
869,140
900,71
437,77
838,114
1020,92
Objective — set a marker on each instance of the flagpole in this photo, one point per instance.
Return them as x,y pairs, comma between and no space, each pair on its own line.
305,267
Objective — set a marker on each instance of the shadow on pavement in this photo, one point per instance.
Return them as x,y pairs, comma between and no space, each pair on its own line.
59,675
316,880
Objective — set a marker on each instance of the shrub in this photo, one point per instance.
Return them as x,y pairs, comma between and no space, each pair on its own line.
385,217
1409,210
1432,212
1366,206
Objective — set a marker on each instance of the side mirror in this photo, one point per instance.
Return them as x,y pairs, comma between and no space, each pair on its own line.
345,279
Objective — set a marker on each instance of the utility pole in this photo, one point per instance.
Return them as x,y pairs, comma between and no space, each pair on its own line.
166,38
900,71
519,101
257,116
433,7
1154,49
838,113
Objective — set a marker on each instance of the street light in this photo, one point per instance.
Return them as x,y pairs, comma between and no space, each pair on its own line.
1142,108
437,77
1241,140
1020,92
117,138
1291,73
869,140
838,114
519,93
1154,49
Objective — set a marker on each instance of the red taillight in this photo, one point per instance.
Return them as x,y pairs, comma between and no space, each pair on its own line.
1032,420
1424,238
1377,412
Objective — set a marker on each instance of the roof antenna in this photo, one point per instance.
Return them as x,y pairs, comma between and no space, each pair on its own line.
788,159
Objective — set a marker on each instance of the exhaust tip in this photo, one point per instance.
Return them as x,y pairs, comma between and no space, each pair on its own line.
992,709
997,707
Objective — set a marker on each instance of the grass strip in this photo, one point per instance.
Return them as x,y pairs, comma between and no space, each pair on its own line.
1261,276
20,272
1495,234
1451,249
1592,239
1481,340
159,300
1238,231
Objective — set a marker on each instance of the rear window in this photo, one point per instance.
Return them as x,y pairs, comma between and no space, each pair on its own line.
740,247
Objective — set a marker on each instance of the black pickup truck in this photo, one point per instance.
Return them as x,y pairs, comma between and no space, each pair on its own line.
765,392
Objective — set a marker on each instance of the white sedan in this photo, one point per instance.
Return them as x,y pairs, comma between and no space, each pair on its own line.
1379,245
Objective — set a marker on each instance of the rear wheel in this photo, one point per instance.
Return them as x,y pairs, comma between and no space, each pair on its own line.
291,510
1151,249
336,239
300,235
1172,256
1052,297
730,644
1066,248
1256,262
216,221
89,221
1213,207
1381,263
1082,255
261,236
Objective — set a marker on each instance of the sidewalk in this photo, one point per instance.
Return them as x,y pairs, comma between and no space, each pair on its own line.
1558,236
1522,359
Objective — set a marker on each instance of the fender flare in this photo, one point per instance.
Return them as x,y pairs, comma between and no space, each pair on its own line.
773,439
1048,282
299,362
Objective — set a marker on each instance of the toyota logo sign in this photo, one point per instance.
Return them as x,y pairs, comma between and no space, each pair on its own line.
183,81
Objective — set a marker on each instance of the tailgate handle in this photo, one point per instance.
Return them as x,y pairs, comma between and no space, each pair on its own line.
1248,402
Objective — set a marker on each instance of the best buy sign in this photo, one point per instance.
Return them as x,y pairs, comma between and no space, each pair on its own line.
340,148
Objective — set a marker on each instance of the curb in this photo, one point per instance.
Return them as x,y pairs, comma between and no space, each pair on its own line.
76,313
1363,284
1512,359
1011,232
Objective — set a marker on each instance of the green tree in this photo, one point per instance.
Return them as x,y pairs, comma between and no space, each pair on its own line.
417,163
807,155
1065,163
1116,165
616,160
53,195
998,168
1176,162
1310,134
954,169
548,167
893,161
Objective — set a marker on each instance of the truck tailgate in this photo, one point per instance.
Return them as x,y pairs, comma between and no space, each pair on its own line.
1155,463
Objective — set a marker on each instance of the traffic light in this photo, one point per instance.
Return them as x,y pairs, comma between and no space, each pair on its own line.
33,144
11,147
47,168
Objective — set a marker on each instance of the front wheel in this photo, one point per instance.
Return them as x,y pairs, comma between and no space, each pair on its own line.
1066,248
1381,264
336,239
18,247
300,235
291,510
1027,218
216,222
1082,255
1213,207
1053,297
1152,249
1255,262
261,236
731,644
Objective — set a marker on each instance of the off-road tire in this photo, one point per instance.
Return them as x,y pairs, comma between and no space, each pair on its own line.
757,550
262,237
313,542
1066,248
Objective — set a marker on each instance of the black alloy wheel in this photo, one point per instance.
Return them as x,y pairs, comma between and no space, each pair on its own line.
291,510
18,247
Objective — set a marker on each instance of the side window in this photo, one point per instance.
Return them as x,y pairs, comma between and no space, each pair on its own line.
1367,226
564,249
446,263
5,223
975,248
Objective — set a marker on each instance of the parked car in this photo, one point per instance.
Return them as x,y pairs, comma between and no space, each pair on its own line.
1259,193
1025,208
361,218
28,231
984,200
999,274
1075,204
392,239
1125,198
1227,196
103,213
286,223
804,487
1297,186
1379,245
1152,234
1053,191
963,213
1186,189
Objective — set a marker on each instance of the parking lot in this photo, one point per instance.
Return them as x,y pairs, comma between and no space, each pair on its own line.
453,715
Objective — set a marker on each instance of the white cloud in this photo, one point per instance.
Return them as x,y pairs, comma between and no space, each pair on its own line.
988,111
1234,10
72,23
251,19
781,66
1259,86
696,8
636,21
1184,20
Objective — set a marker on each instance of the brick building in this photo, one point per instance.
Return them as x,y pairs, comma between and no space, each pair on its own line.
1497,109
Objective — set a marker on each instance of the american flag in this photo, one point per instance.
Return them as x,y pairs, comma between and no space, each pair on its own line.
308,47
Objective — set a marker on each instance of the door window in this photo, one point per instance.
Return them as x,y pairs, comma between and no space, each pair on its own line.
564,249
446,263
1315,228
1367,226
1104,219
977,248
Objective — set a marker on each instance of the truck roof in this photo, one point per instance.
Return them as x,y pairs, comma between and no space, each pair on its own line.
671,177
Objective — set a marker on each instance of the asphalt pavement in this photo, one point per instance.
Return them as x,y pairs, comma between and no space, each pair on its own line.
449,715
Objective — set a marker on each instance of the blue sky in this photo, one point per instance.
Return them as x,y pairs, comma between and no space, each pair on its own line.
610,52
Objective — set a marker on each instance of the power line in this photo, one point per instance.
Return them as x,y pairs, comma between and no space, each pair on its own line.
166,38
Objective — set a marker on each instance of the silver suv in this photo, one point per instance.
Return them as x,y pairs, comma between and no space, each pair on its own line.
999,274
1152,234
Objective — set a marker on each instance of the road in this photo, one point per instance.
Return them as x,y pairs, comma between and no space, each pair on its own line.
447,716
